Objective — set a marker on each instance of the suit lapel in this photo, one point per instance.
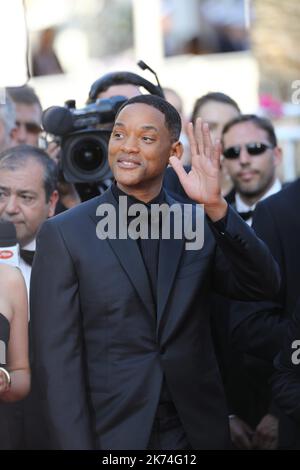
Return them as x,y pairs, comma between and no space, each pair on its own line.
129,256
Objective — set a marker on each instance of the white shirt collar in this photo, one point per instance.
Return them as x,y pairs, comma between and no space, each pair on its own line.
30,246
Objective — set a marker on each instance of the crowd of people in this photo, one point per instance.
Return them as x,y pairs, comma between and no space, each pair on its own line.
122,343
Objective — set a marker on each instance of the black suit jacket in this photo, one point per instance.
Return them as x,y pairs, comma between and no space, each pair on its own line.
101,348
286,380
261,328
173,185
258,328
286,383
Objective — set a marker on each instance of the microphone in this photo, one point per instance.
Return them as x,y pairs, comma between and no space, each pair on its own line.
9,247
144,66
57,120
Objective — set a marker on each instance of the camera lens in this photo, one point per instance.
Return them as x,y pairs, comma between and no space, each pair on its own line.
88,155
84,157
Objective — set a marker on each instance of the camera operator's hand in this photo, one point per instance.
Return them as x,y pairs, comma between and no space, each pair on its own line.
53,150
68,194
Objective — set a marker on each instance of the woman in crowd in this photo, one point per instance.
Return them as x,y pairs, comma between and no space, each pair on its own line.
14,361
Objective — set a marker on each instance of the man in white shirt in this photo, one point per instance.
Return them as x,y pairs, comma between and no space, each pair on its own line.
28,196
251,157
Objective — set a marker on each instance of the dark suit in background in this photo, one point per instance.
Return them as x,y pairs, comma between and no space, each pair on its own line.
286,380
259,328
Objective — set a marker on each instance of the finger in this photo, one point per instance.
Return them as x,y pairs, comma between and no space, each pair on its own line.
178,168
265,441
255,441
216,154
258,440
192,140
208,146
246,443
242,442
199,136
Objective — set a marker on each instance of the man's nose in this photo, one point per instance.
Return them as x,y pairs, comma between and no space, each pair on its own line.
12,206
21,134
130,145
244,157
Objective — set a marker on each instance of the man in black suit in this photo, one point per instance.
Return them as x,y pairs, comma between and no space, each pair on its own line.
286,380
123,349
259,328
251,156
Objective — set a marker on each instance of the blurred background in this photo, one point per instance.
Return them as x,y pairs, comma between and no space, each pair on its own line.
248,49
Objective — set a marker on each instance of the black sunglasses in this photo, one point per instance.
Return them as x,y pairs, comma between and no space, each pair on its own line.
253,149
30,127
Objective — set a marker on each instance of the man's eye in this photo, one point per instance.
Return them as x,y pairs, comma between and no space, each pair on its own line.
118,135
27,198
148,139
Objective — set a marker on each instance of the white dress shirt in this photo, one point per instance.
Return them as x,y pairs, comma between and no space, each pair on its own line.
241,206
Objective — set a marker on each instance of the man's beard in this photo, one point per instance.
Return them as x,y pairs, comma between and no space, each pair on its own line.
257,191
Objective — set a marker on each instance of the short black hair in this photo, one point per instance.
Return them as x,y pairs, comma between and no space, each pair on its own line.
217,96
260,122
24,94
172,117
16,157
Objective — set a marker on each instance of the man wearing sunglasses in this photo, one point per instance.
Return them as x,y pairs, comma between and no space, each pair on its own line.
28,115
261,328
251,156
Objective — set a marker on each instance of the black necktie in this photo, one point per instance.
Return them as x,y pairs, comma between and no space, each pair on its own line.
246,215
27,256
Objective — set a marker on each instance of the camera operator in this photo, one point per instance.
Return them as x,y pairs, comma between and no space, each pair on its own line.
128,90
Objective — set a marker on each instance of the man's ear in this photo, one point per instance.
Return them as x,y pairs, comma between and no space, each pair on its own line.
52,203
177,149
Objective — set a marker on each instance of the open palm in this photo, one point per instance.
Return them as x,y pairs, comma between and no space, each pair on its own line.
202,183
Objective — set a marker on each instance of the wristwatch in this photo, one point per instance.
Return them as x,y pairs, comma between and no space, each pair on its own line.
7,375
